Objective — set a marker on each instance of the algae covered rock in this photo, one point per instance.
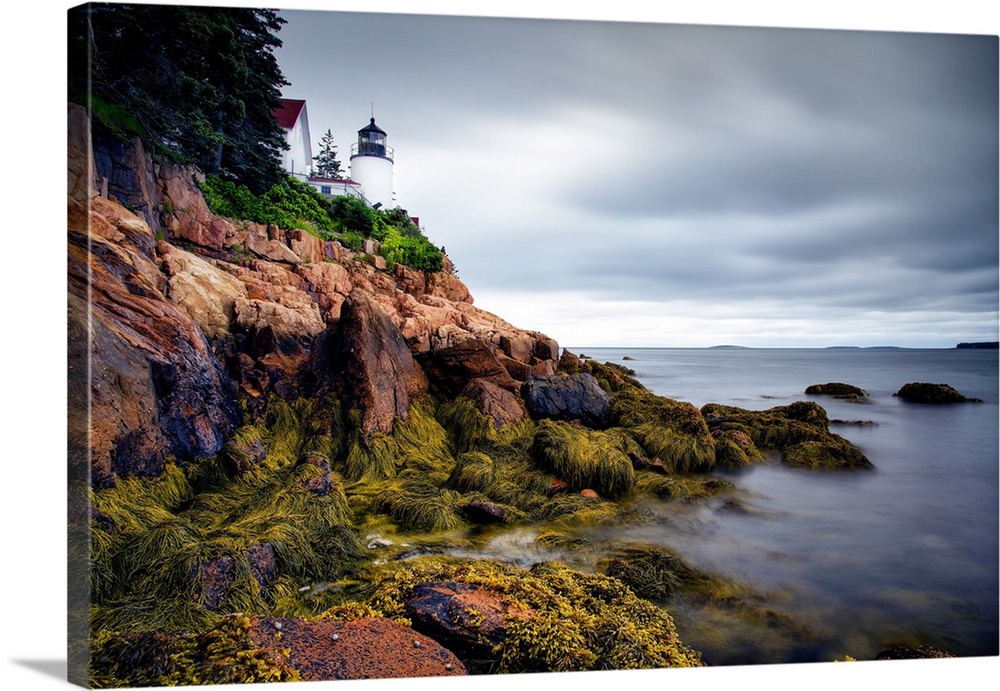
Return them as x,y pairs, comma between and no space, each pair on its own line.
465,617
585,459
573,397
837,390
920,392
554,618
831,454
734,449
674,432
801,430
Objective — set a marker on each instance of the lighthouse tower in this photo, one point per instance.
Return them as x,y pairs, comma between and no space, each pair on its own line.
371,165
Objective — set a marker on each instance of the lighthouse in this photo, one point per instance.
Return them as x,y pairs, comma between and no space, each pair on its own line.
371,165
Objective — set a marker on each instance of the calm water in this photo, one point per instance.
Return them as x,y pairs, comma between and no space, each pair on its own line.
905,554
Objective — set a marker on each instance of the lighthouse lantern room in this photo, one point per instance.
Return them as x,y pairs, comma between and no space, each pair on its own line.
371,165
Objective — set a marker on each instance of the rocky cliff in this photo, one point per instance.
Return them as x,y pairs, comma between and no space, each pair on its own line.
186,320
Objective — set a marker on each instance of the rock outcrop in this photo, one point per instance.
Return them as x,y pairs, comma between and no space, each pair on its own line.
837,390
920,392
156,388
573,397
191,309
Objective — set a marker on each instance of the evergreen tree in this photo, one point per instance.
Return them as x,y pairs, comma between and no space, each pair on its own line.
197,83
327,165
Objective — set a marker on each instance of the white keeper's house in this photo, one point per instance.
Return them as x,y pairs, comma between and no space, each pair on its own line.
371,160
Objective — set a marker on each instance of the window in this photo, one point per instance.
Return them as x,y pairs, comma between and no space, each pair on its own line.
325,189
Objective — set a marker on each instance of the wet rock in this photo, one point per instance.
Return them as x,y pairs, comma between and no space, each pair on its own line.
919,392
557,486
801,430
830,454
484,512
244,450
321,483
735,449
573,397
461,616
368,648
212,580
263,564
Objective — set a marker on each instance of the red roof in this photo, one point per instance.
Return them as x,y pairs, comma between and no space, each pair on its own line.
345,181
289,112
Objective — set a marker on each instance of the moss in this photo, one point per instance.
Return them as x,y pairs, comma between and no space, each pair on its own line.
558,619
586,459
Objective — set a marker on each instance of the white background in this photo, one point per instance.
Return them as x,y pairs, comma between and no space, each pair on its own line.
33,388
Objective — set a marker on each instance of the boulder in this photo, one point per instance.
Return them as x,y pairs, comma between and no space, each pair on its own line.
572,364
496,403
211,580
449,370
371,648
461,616
263,563
573,397
377,373
919,392
484,512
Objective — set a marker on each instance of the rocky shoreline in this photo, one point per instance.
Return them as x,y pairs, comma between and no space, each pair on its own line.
282,435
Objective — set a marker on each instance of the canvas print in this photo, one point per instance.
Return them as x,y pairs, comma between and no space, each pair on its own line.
409,346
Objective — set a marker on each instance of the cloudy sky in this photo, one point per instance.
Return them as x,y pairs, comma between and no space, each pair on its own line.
626,183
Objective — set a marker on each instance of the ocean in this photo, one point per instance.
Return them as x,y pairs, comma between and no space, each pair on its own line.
861,561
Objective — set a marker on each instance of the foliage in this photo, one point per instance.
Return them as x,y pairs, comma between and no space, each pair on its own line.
353,215
201,83
415,251
288,204
327,165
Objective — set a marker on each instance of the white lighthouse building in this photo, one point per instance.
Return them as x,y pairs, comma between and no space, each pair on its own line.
371,165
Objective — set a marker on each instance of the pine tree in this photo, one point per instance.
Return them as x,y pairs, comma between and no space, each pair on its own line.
198,84
327,165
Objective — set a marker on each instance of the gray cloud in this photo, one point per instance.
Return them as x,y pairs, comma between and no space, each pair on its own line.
827,171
